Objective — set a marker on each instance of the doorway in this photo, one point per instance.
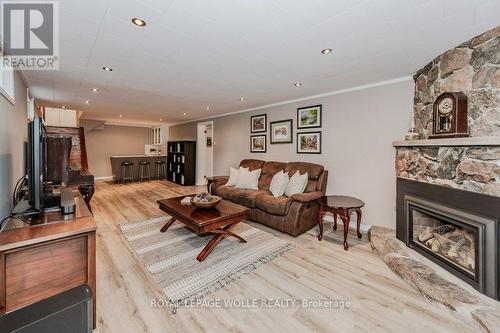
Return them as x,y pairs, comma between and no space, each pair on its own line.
204,152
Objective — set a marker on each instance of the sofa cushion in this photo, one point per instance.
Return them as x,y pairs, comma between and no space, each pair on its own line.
278,184
269,169
296,184
313,170
248,180
270,204
234,174
252,164
246,198
225,192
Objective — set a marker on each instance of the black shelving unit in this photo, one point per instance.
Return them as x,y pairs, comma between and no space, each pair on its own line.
181,162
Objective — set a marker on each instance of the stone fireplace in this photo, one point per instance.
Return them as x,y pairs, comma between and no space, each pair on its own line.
448,190
457,229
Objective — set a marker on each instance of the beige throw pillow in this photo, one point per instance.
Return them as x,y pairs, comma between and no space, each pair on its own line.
297,184
278,184
233,176
248,180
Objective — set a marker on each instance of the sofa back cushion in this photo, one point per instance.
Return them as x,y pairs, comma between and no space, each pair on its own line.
314,171
252,164
269,169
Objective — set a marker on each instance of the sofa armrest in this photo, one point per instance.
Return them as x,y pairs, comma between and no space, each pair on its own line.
307,197
220,180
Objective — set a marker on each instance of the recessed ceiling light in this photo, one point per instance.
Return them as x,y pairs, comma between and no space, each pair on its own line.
107,69
297,84
94,90
64,106
326,51
242,99
161,119
121,116
139,22
184,113
87,102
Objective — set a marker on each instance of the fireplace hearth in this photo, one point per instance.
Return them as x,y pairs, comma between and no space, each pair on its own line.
457,229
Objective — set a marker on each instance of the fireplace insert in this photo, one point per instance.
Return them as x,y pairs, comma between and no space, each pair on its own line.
457,229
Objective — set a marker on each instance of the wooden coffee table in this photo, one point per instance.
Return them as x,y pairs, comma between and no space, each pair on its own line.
219,220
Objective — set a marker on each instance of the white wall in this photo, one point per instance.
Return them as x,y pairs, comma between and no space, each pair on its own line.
113,140
358,130
13,132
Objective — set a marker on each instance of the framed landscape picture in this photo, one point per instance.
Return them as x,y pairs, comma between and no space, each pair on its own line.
309,143
258,123
281,131
309,117
258,143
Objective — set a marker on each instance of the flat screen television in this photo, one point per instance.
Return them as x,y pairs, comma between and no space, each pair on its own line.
36,163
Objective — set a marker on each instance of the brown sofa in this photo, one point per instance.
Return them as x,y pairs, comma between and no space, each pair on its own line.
293,215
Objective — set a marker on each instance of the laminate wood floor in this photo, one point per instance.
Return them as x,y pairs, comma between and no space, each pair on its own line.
380,301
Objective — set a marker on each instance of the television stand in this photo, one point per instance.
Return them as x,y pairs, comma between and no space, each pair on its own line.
51,255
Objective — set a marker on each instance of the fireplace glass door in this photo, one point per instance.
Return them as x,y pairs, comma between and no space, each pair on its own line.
449,240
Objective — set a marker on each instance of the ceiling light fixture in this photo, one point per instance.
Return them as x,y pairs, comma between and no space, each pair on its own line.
161,119
297,84
87,102
242,99
107,69
139,22
184,113
121,116
326,51
64,106
94,90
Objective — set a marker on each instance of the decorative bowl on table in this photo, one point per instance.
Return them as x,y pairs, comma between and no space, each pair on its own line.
205,200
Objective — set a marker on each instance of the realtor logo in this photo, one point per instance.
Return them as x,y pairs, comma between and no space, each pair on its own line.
30,34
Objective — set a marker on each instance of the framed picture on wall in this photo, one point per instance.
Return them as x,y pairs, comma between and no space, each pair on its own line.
281,131
258,143
309,143
309,117
258,123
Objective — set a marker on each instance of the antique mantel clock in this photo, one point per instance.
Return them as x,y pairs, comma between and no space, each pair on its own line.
450,116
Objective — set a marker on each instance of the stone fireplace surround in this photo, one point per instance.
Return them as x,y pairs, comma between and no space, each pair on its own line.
465,166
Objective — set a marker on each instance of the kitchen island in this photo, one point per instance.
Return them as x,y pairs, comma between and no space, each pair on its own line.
117,160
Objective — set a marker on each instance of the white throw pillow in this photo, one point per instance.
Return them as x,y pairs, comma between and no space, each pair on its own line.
233,176
278,184
297,184
248,180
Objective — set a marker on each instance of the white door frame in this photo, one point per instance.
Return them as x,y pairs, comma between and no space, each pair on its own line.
202,151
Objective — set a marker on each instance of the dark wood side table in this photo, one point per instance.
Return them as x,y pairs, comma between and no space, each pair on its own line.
343,206
210,180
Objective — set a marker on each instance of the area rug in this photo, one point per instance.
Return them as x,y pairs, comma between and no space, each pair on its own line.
170,257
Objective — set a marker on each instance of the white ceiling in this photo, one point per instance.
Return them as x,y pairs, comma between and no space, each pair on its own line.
195,53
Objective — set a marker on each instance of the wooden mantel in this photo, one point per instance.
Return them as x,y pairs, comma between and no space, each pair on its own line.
453,142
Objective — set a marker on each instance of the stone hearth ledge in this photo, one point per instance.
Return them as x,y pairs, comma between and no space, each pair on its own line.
451,142
469,305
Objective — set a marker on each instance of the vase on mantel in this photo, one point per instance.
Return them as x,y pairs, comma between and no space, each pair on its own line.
412,134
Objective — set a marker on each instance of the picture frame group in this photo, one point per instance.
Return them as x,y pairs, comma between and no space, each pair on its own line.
281,131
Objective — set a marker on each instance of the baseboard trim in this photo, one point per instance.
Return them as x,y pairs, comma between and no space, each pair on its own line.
362,227
104,178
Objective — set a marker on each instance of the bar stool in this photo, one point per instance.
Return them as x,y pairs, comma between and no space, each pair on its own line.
160,170
127,172
144,171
